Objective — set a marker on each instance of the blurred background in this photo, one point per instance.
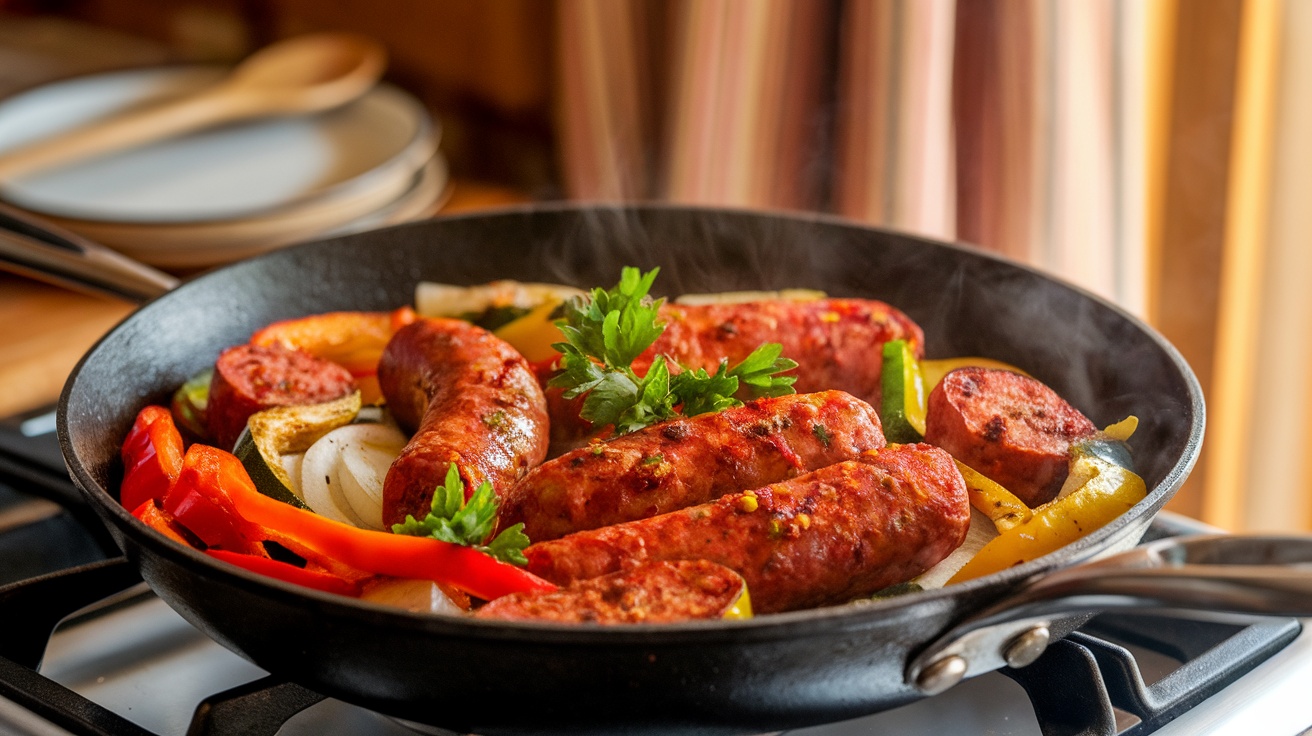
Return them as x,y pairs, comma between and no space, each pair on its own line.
1148,150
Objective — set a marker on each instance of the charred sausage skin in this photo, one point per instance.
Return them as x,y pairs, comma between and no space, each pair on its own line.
1009,427
826,537
474,401
652,593
251,378
689,461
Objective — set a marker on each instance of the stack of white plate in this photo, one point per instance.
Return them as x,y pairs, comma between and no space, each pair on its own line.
229,192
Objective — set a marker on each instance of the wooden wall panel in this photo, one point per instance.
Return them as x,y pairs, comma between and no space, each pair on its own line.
1187,278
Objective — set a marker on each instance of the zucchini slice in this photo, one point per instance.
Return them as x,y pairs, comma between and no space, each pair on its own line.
903,403
274,434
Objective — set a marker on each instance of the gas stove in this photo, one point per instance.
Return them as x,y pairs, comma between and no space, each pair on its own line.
127,664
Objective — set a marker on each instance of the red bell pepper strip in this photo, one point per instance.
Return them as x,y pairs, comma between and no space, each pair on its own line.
160,520
214,485
152,457
199,502
287,572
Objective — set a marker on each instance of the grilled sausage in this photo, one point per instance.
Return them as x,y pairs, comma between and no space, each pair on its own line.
689,461
475,402
836,342
1010,427
652,593
252,378
826,537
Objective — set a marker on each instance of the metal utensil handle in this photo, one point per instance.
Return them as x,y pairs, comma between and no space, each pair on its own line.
1209,575
38,249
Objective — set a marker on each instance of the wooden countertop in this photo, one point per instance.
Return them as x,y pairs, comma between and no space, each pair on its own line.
44,330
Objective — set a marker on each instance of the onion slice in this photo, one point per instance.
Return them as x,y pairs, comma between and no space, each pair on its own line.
367,451
341,475
321,487
981,532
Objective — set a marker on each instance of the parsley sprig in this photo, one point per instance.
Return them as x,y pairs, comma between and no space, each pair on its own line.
607,330
467,523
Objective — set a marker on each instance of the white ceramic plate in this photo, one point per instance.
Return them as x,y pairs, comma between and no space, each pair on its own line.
193,246
226,173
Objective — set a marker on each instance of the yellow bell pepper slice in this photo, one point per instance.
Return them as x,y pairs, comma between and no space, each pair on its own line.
741,608
1109,492
999,504
932,371
1123,429
534,333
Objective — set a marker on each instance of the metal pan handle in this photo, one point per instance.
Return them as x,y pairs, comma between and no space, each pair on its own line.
38,249
1210,576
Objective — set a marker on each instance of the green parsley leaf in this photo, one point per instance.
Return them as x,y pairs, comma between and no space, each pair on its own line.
700,392
607,330
468,523
759,370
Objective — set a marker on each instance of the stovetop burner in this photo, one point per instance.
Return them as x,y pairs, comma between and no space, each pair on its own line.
123,663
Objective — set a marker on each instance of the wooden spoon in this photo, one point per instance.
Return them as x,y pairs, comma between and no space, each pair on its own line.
300,75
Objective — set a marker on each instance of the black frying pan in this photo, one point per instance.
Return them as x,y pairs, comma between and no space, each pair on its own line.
771,672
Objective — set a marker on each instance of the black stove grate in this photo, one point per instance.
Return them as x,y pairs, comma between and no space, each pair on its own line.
1090,685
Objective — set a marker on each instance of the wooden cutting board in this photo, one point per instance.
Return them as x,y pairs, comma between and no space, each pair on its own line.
44,329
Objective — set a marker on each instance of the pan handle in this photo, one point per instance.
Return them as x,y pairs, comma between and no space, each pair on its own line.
32,247
1208,576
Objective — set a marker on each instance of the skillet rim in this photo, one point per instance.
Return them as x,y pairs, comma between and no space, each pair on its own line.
815,621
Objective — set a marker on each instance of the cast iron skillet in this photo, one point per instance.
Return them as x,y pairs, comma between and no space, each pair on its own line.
771,672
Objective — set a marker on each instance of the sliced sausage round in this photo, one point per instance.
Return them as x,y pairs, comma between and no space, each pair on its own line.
252,378
1009,427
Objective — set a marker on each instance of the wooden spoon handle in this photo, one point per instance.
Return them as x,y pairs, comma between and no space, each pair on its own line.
124,131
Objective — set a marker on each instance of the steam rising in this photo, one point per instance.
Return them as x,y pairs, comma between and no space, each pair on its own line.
967,302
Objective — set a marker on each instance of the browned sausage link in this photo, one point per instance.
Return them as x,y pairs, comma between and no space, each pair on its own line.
1012,428
652,593
689,461
252,378
836,342
475,402
826,537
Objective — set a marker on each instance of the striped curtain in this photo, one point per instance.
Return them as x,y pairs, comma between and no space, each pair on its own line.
1151,151
1012,124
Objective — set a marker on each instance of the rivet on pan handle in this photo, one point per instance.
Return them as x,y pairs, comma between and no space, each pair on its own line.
1206,576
